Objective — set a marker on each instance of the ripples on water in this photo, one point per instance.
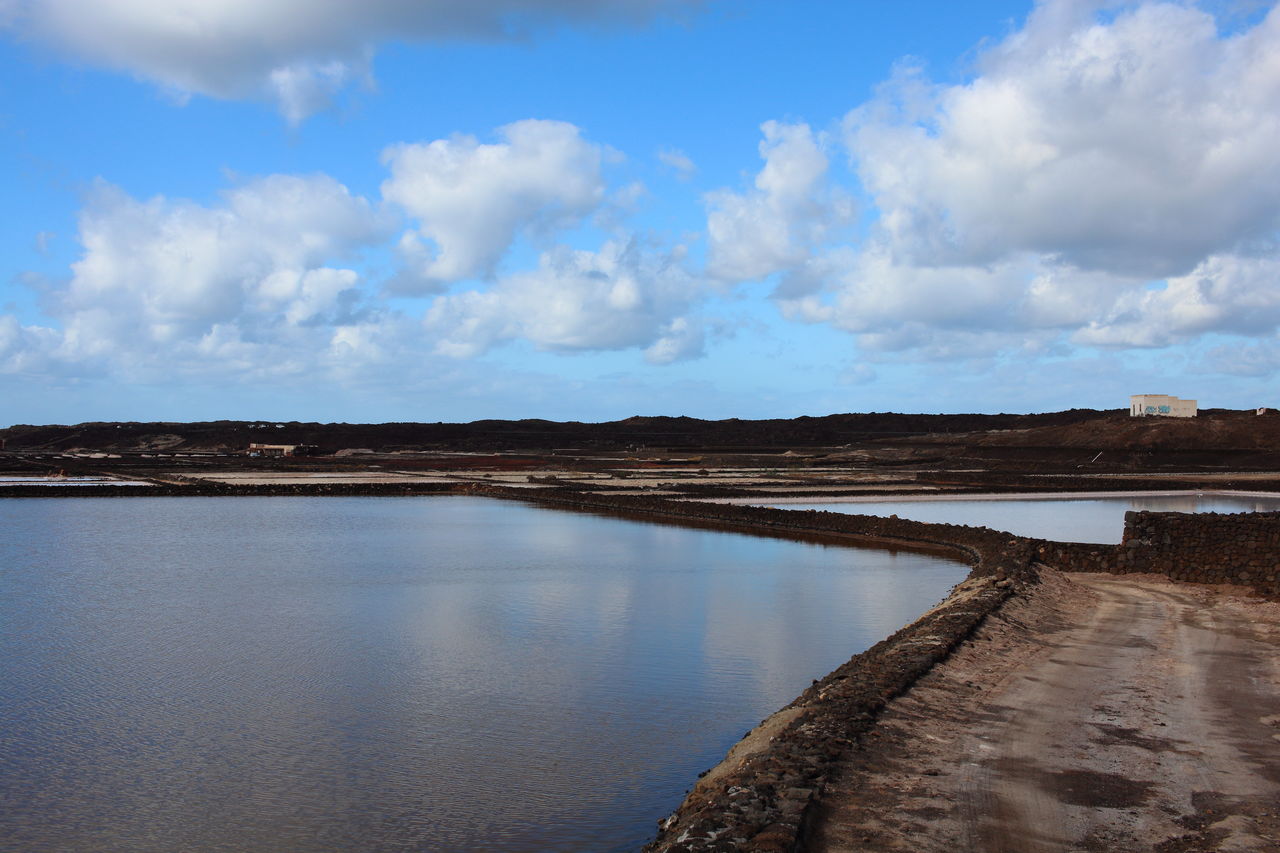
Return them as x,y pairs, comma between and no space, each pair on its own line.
396,674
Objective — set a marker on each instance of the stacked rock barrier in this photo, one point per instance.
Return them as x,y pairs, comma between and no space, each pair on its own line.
1209,547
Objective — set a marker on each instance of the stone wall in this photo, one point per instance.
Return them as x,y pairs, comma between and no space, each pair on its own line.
982,547
1209,547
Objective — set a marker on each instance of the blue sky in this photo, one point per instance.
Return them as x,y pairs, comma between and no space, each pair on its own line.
406,210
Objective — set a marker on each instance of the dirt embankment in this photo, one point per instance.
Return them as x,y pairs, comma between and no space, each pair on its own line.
761,797
1093,713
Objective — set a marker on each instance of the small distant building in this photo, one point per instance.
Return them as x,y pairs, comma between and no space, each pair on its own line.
1161,406
256,449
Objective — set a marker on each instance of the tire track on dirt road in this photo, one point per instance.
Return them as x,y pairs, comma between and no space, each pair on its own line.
1097,713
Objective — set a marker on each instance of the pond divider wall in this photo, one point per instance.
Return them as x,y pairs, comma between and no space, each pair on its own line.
1208,547
211,489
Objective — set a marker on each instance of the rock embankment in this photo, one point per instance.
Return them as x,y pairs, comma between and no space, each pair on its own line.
1209,547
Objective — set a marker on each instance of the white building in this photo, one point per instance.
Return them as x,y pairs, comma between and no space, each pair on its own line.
1160,405
281,450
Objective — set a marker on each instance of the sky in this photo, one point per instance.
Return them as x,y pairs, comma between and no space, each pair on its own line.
425,210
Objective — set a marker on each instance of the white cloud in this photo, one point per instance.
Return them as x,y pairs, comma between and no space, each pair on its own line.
619,297
678,161
162,281
1136,146
471,200
1225,294
298,53
679,340
878,295
27,349
776,226
304,88
1108,178
268,283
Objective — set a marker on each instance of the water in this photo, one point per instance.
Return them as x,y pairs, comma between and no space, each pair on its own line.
1095,519
307,674
28,480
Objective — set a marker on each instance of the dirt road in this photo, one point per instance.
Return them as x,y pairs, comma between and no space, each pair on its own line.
1099,713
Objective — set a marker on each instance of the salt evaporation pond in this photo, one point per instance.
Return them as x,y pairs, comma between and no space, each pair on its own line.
65,482
1097,519
307,674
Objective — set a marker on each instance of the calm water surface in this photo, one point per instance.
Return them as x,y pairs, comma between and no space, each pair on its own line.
1094,519
396,674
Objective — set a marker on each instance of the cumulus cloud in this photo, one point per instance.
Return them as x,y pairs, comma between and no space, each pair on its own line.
1137,145
166,281
271,279
623,295
27,349
471,200
775,226
1224,294
678,340
1108,176
297,53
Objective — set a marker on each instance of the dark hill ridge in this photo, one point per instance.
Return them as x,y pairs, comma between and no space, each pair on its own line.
1212,429
676,433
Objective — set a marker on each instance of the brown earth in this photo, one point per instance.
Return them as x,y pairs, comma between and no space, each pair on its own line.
1093,713
1220,429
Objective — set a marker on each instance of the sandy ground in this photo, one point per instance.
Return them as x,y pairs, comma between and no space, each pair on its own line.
1099,713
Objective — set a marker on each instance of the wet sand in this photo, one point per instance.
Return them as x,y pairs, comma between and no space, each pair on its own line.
1097,713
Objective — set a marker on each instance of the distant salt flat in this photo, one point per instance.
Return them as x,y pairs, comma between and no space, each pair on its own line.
264,478
24,480
1096,517
900,487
